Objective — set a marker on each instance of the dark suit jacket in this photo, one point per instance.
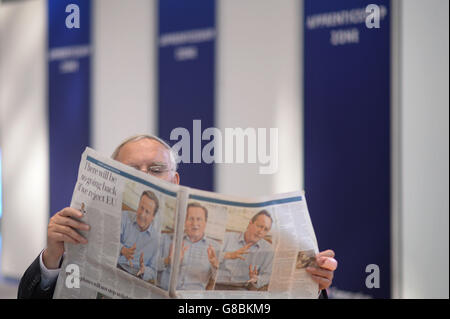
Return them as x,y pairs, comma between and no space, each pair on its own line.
29,286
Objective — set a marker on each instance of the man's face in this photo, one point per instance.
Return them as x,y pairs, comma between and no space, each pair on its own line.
195,223
258,229
145,153
145,213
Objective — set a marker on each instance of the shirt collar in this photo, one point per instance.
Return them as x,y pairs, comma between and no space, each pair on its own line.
242,241
186,237
149,230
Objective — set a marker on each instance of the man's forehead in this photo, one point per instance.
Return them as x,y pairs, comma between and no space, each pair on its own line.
195,211
144,143
147,200
144,149
263,219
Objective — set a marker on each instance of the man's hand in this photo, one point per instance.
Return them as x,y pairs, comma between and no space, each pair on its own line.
168,259
142,266
62,228
323,273
183,250
238,253
212,257
128,253
252,274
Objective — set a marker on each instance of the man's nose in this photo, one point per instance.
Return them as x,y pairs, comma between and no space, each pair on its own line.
143,169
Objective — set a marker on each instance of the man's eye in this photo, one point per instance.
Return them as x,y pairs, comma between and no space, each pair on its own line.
156,169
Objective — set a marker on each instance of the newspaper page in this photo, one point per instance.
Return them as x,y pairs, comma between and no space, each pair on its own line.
247,248
196,244
122,256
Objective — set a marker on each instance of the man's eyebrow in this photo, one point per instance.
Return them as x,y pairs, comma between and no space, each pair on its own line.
158,164
151,164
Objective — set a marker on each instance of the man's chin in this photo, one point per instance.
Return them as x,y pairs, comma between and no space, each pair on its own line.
142,228
195,237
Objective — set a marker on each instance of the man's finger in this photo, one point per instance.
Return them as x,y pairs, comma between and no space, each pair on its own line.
326,253
211,252
63,238
323,282
319,272
70,212
242,251
67,221
55,228
327,263
252,269
129,254
246,247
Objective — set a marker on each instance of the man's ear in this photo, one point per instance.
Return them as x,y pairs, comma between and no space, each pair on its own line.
176,178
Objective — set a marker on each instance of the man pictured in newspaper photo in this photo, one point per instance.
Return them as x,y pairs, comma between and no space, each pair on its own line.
139,239
143,152
247,257
198,262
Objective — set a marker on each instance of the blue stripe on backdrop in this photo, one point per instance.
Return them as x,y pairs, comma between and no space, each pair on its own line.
186,78
347,138
68,95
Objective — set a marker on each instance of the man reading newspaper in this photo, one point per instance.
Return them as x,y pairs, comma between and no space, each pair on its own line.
145,153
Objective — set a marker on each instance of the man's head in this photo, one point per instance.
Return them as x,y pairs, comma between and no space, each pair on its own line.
148,207
258,227
195,224
149,154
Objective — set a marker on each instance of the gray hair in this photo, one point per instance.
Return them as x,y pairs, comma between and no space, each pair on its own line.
135,138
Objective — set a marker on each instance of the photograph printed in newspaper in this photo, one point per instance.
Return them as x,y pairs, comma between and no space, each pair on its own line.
153,239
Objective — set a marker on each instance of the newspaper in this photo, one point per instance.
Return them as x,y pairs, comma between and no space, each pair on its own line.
153,239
